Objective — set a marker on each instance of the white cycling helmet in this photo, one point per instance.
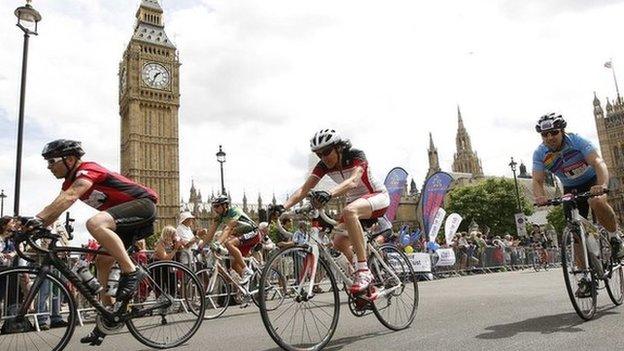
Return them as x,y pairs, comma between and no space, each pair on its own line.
324,138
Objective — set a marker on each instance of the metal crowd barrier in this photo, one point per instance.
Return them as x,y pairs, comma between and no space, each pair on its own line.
495,259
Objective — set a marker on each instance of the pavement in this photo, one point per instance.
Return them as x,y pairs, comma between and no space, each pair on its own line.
501,311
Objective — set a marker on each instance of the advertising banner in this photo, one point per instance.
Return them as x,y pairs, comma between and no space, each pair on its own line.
421,262
437,224
433,193
451,226
395,183
446,257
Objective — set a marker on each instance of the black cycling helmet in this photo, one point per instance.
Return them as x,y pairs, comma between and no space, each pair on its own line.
221,199
550,121
62,148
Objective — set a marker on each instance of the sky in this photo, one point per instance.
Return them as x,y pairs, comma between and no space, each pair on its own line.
260,78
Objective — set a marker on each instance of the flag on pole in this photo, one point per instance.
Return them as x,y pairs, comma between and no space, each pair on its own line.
608,64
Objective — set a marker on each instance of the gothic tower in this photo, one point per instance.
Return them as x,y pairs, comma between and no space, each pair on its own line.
610,130
434,162
465,160
149,99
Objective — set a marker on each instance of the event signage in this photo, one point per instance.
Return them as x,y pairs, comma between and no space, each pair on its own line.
421,262
446,257
521,225
433,193
395,183
451,226
437,224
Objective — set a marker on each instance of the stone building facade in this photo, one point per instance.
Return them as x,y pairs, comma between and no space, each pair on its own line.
610,128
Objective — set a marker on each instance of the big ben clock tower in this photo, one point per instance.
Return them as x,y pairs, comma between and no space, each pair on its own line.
149,99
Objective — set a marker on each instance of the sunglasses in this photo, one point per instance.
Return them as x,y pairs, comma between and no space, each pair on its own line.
551,133
324,153
54,160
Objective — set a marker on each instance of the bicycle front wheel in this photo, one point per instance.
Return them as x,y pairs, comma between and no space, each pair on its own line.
394,276
581,283
56,322
178,290
216,290
308,316
276,290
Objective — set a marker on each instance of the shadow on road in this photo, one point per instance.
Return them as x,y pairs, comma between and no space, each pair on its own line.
337,344
558,323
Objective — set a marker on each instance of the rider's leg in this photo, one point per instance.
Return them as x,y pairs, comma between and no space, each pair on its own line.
342,243
238,263
104,264
604,213
352,214
102,226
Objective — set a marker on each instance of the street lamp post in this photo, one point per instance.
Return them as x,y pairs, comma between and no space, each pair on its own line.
2,197
27,20
221,160
513,165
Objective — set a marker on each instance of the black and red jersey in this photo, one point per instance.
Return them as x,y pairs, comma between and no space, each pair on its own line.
109,188
351,158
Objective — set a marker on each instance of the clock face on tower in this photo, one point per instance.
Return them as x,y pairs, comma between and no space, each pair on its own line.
155,75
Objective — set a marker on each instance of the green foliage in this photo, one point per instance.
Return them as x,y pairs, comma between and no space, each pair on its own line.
491,202
556,218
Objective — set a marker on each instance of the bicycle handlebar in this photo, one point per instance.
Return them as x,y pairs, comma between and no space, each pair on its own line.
30,236
571,198
303,210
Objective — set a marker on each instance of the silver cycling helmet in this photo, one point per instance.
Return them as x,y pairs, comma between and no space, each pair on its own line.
324,138
550,121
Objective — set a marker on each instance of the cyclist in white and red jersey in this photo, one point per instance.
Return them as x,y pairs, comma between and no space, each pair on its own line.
127,212
366,197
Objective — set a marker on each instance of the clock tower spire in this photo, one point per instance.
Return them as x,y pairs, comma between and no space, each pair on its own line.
149,99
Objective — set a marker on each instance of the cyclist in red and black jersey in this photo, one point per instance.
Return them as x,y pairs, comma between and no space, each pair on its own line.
366,197
127,212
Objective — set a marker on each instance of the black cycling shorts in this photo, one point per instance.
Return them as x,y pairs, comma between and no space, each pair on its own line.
134,220
583,205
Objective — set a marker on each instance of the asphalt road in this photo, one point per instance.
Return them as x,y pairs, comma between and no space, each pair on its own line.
502,311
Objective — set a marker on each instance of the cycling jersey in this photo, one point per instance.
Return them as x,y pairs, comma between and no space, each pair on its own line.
244,223
568,164
351,158
109,189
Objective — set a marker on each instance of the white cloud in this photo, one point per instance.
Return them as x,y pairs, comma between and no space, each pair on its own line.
261,78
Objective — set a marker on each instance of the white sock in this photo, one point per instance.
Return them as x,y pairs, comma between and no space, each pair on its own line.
612,234
361,266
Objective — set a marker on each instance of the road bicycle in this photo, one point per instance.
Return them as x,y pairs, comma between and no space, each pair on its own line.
586,259
158,315
218,284
308,317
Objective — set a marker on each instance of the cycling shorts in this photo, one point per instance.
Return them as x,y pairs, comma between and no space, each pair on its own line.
134,220
583,205
248,241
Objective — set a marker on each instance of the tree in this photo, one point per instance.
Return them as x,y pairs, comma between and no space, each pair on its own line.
491,202
556,218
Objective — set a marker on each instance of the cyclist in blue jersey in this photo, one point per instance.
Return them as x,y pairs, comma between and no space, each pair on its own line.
575,161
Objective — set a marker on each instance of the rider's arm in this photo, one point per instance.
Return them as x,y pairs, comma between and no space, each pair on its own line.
227,231
64,201
212,229
302,192
539,177
349,183
602,173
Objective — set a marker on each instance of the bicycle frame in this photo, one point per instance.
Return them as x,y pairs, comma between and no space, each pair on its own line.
319,251
51,259
218,267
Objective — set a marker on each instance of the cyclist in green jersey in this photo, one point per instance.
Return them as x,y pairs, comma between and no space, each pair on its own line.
240,234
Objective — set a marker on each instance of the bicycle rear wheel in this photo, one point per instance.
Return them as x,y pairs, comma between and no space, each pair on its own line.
577,278
166,327
217,292
19,333
302,321
396,308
